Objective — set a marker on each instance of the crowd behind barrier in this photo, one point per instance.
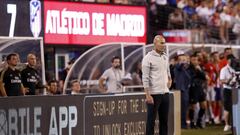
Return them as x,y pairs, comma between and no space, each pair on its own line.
210,63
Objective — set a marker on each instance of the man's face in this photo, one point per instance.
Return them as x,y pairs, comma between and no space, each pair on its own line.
200,56
76,87
216,56
159,44
182,59
116,63
228,51
53,87
194,61
13,61
32,61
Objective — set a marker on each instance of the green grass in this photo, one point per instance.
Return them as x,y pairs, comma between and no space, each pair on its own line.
209,130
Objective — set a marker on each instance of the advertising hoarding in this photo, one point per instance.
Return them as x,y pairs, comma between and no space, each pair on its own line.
91,24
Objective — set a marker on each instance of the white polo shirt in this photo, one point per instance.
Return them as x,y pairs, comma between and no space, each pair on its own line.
227,73
113,80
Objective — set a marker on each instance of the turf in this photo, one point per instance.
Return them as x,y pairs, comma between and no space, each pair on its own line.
209,130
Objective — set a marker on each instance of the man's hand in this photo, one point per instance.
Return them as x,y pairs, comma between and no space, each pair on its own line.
169,83
25,90
102,90
149,99
101,85
198,67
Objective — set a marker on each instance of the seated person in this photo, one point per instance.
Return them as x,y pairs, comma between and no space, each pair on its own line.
53,88
75,87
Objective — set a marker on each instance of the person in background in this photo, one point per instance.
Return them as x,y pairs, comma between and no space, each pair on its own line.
223,62
10,80
226,76
196,91
183,79
30,76
175,20
53,88
137,75
64,72
211,73
75,87
217,88
113,77
157,81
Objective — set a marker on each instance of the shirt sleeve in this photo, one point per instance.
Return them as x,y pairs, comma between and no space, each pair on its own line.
145,72
105,75
222,75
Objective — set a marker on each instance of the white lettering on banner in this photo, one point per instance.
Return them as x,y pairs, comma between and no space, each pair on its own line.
53,123
67,118
67,22
63,112
37,122
22,114
12,119
98,24
22,121
125,25
72,116
16,127
28,122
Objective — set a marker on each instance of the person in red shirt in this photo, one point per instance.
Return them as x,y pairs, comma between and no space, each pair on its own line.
224,61
211,73
217,109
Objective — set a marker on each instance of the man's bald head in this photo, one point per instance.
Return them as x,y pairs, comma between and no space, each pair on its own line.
159,38
31,58
159,43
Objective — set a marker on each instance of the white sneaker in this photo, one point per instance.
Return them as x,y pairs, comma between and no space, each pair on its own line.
226,128
216,120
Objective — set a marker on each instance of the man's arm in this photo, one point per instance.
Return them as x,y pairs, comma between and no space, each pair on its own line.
24,90
146,79
169,77
102,89
169,81
2,89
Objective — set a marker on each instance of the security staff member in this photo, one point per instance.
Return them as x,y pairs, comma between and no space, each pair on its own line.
157,81
10,81
196,91
30,76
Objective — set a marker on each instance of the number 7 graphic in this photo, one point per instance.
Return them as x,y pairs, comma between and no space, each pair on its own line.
11,9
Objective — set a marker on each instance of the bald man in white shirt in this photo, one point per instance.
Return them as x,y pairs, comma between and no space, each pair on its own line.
157,81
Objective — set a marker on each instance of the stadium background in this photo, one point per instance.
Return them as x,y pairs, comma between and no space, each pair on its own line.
194,29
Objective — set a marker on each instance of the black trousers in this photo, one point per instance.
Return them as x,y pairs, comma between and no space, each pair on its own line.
227,100
160,106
